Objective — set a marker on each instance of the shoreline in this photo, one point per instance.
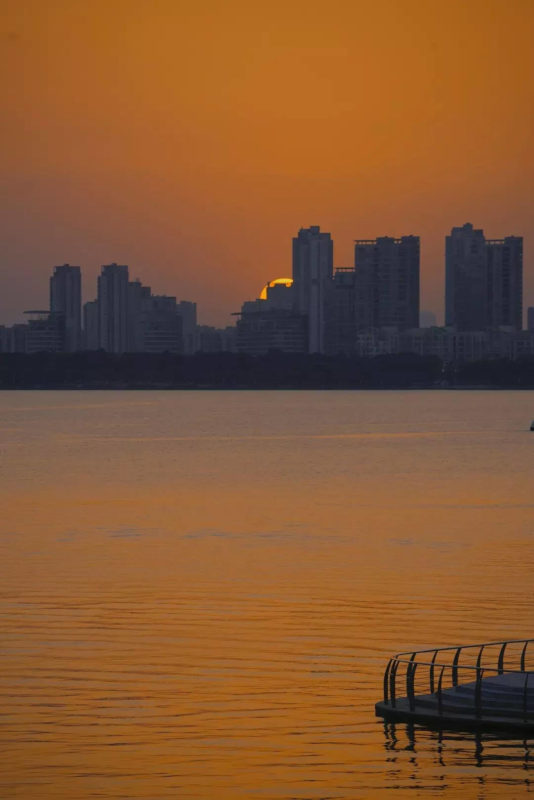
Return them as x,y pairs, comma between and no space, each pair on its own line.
273,371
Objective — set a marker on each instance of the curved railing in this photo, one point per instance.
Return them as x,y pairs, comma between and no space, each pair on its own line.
433,671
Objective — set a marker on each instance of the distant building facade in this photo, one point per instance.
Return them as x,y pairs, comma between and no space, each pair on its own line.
44,332
313,259
466,279
530,318
162,326
483,280
138,309
216,340
127,318
382,291
262,328
388,273
91,329
66,299
504,260
154,325
113,308
347,311
18,338
187,312
272,322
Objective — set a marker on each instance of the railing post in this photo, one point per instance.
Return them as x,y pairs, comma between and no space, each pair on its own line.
440,698
478,692
500,663
455,667
523,654
392,678
432,672
479,658
410,682
386,679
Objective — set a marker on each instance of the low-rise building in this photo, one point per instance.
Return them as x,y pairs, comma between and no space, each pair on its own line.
260,329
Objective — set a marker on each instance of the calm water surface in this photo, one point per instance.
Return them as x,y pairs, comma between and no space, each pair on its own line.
199,590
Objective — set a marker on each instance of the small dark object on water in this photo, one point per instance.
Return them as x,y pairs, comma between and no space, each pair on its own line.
471,687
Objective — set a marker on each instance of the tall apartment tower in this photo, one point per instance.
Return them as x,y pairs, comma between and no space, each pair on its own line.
138,310
387,272
483,280
505,282
313,259
113,308
466,285
66,299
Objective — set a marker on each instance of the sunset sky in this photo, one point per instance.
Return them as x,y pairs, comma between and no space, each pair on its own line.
191,140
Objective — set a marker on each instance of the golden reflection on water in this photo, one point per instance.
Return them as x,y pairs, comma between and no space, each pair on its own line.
200,590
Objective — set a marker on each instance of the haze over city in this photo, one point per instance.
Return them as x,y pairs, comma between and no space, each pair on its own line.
192,142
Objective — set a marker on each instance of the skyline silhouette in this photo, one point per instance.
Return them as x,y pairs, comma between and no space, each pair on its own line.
371,308
197,162
15,316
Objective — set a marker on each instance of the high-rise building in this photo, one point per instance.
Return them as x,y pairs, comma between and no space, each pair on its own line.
138,309
349,310
483,280
382,291
113,308
91,333
66,299
466,283
530,318
505,282
313,257
387,273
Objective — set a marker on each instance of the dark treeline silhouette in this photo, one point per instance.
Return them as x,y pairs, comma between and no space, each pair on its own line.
275,370
498,372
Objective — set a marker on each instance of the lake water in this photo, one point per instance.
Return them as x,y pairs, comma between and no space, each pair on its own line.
199,590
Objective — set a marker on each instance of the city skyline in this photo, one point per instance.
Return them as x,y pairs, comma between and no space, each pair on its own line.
198,162
225,315
370,308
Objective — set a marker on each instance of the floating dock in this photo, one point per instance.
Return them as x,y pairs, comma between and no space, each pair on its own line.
487,686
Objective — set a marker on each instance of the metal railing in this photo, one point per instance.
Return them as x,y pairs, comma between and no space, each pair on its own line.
432,671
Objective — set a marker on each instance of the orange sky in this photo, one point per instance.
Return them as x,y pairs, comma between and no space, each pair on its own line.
191,140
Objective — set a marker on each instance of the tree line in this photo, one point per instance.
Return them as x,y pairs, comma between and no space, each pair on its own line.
274,370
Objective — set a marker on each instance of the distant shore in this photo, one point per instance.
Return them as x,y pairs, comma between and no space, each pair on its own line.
274,370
